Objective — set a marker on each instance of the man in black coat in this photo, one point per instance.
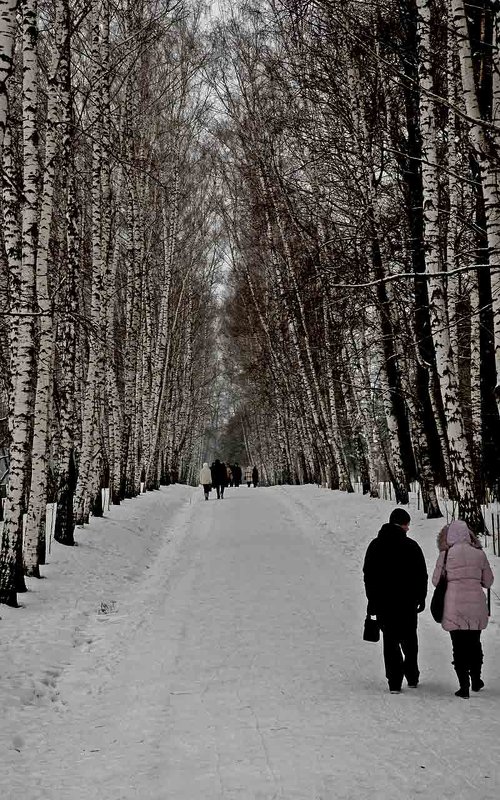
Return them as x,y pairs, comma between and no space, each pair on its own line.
255,476
395,575
219,478
236,474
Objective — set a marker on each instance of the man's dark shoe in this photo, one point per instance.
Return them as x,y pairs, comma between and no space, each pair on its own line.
413,685
463,693
476,684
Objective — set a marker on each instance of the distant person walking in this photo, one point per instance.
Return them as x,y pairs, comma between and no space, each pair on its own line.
236,474
255,476
219,478
206,479
248,476
395,576
465,612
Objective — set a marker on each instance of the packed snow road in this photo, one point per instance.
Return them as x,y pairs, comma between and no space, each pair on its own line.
232,666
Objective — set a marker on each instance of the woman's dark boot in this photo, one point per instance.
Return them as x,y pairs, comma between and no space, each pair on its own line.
463,679
476,684
476,664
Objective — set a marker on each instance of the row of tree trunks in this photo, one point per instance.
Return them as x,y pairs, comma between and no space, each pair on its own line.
346,173
108,346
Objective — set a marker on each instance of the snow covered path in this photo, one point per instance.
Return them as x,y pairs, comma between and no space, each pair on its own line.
233,667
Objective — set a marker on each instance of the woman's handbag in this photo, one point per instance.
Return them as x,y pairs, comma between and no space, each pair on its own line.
371,631
437,602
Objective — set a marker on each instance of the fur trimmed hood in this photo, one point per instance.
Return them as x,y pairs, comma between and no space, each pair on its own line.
443,539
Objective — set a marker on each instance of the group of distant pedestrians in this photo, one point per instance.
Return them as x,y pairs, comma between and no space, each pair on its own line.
395,576
219,476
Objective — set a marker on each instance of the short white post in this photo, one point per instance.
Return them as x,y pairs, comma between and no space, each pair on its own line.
105,494
50,526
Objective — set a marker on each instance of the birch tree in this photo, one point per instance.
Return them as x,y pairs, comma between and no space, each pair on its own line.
456,441
34,540
22,279
120,132
374,105
7,34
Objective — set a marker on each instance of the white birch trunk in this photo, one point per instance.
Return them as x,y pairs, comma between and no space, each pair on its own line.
475,368
10,552
22,355
330,369
363,397
109,248
7,36
93,390
487,149
67,471
115,410
461,478
34,537
161,355
426,477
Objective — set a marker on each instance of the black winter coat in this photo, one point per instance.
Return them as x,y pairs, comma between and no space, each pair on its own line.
395,574
219,474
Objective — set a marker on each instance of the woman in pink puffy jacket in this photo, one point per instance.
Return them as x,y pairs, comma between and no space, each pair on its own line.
465,611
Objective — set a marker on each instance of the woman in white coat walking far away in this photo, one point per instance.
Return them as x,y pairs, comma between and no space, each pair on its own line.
206,479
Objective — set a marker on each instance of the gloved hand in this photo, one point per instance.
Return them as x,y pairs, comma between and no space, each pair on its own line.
420,608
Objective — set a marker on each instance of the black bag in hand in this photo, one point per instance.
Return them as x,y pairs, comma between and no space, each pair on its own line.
371,631
437,602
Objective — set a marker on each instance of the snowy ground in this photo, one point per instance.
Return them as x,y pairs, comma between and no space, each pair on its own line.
192,651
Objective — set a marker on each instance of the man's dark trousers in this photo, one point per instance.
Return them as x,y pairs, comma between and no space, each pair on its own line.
400,649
